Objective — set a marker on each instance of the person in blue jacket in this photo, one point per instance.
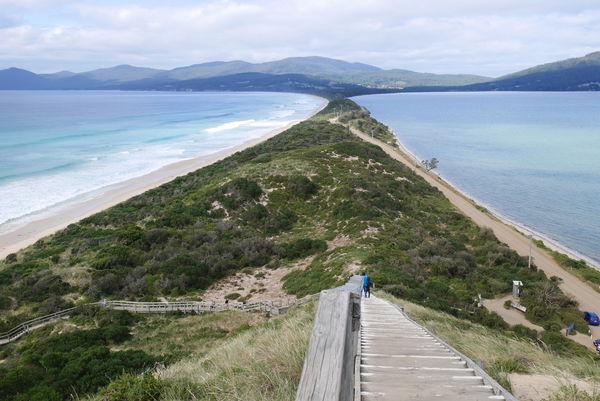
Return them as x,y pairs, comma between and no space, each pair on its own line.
366,285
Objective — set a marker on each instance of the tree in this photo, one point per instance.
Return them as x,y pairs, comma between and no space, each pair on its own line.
430,164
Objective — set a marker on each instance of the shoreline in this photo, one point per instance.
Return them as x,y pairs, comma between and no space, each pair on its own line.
583,292
522,228
57,217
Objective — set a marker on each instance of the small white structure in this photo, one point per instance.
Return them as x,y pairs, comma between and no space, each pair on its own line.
517,288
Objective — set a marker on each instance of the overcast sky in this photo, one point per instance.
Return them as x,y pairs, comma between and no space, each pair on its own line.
488,37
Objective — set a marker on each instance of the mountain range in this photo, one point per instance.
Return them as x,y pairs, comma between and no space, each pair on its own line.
316,75
295,73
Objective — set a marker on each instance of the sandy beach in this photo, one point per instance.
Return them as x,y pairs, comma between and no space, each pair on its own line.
60,216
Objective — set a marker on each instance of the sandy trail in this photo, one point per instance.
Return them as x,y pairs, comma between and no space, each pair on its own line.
60,216
538,387
511,316
584,294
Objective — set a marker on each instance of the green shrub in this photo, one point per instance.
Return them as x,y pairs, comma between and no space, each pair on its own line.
524,332
509,366
562,345
239,191
232,296
303,247
5,302
116,256
129,387
281,220
301,186
77,362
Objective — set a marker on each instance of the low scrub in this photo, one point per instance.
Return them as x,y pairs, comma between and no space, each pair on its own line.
579,267
262,363
76,362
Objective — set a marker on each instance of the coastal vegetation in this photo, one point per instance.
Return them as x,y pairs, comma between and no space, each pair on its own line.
83,355
578,267
349,113
313,196
53,367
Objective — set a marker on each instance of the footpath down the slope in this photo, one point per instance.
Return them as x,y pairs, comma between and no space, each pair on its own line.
401,361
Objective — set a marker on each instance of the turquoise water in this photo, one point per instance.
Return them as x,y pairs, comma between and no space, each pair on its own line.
55,145
531,157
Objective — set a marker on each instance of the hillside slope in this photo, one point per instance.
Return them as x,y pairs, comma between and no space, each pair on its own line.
258,82
313,203
575,74
310,68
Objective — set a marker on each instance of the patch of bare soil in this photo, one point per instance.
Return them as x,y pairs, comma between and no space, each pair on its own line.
339,242
370,231
511,316
537,387
261,285
353,267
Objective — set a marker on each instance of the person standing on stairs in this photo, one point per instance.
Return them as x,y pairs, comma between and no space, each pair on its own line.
366,285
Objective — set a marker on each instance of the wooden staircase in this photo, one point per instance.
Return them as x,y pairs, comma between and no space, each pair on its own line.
402,361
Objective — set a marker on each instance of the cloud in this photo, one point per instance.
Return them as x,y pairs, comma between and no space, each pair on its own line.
492,37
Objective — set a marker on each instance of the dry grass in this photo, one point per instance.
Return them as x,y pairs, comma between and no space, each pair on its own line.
572,393
261,363
498,353
189,335
264,363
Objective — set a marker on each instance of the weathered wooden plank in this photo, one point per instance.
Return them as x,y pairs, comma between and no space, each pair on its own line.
328,372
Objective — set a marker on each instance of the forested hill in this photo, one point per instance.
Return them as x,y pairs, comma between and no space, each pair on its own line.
304,72
259,82
576,74
314,204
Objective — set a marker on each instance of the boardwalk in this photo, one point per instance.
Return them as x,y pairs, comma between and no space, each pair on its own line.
271,307
401,361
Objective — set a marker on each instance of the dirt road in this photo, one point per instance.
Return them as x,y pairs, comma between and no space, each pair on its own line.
586,296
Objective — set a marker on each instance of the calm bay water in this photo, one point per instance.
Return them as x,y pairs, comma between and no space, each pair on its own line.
55,145
532,157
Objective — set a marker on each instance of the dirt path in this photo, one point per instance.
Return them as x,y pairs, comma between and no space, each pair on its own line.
537,387
511,316
585,295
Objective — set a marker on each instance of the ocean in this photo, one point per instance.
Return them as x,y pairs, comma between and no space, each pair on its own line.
531,157
57,145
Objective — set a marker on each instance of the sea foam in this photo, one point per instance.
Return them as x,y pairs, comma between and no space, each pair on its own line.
103,138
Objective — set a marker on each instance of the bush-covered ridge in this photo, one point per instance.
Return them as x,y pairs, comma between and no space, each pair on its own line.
349,113
313,193
273,203
180,237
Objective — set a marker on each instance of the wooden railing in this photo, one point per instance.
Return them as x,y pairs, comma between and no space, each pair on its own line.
271,307
32,324
329,366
